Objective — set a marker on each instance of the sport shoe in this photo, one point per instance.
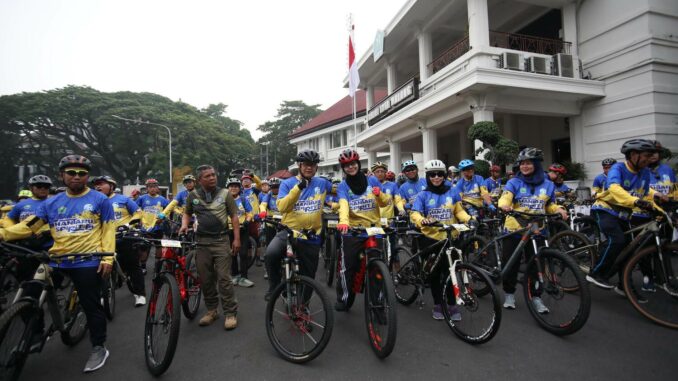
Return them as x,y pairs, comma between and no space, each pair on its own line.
244,282
96,359
599,281
265,274
139,300
454,313
510,302
620,291
437,313
235,279
539,305
143,269
209,318
230,323
648,285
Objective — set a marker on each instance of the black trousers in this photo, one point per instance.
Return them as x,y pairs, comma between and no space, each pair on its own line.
307,255
128,257
439,273
244,248
88,284
510,279
613,228
349,265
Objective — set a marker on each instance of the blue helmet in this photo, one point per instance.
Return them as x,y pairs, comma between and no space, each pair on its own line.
408,163
465,164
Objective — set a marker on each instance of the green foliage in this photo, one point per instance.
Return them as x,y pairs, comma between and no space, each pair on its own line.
575,171
486,132
482,168
500,150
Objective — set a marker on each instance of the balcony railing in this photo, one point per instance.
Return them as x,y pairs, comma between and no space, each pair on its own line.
450,55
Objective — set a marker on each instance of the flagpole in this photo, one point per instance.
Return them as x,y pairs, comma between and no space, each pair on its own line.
355,121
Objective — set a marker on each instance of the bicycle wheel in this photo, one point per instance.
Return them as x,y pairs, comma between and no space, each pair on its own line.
473,318
16,328
331,258
251,252
399,256
108,294
299,319
163,319
558,226
75,320
191,302
577,246
650,284
587,226
9,285
554,280
380,309
407,281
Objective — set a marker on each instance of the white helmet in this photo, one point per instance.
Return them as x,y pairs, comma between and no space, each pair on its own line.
453,169
434,165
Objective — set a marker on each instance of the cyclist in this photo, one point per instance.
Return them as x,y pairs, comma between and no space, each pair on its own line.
360,198
300,201
557,174
331,200
125,211
390,189
528,192
245,214
391,176
251,185
268,206
600,180
453,175
177,205
472,189
409,189
663,179
152,204
439,202
265,189
135,195
628,183
81,221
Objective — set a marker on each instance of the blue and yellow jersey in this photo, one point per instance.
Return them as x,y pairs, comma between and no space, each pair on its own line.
493,186
445,208
562,190
391,190
361,209
527,198
624,186
332,202
252,197
245,212
263,195
302,209
177,205
408,191
663,180
269,204
599,183
124,209
472,191
24,209
3,215
79,224
150,208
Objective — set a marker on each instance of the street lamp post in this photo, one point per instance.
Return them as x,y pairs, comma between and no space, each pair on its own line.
169,133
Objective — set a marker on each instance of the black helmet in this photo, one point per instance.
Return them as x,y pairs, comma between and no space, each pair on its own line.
308,156
107,179
664,153
77,161
639,145
39,179
233,180
274,182
530,153
608,162
188,178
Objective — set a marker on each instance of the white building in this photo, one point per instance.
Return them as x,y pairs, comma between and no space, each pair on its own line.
575,78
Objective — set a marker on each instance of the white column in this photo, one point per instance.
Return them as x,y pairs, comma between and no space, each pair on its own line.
369,99
394,156
569,22
371,157
429,140
425,54
391,77
478,24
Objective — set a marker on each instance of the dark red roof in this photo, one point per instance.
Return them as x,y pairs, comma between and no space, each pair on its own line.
281,174
338,112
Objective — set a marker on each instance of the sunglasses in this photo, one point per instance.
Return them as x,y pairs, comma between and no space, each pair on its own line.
436,174
410,169
74,173
41,186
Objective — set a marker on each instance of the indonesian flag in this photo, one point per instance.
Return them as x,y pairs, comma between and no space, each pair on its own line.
353,76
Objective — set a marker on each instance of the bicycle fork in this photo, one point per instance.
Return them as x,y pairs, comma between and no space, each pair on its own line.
453,267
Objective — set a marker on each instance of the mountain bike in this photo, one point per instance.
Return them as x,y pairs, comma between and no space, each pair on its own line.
22,325
480,317
299,316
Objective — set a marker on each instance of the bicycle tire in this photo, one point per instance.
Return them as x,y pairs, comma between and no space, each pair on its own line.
468,277
380,296
408,275
251,252
158,362
301,319
12,363
577,246
477,252
331,258
558,226
588,226
9,285
666,294
75,320
402,254
554,265
191,303
108,294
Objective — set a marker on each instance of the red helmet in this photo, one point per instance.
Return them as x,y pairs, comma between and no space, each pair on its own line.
135,193
558,168
390,176
151,182
495,168
348,156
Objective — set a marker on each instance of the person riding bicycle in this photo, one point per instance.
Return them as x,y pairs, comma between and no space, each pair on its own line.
24,194
245,213
472,189
125,211
379,170
493,183
557,174
600,180
439,202
408,191
177,205
332,200
528,192
152,204
300,201
360,198
453,175
663,179
268,206
628,184
81,221
391,176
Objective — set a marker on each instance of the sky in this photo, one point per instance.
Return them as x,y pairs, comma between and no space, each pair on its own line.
249,55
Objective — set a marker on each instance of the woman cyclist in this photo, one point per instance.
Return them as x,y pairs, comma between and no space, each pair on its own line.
472,189
245,215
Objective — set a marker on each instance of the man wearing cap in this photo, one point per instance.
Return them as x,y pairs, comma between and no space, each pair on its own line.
152,204
493,183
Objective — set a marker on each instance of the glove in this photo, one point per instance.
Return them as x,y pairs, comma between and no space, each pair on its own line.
260,216
342,228
427,221
645,205
376,191
492,208
472,223
161,216
302,184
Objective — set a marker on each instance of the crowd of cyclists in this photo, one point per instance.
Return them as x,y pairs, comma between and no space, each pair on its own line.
82,217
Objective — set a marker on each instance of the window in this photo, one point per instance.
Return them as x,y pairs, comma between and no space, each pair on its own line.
313,144
338,139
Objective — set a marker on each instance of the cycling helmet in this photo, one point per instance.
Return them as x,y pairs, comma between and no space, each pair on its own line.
379,164
390,176
348,156
39,179
152,182
530,153
134,193
274,182
495,168
246,176
558,168
640,145
466,164
76,161
453,169
25,193
664,153
107,179
308,155
336,180
434,165
266,182
231,181
188,178
408,163
608,162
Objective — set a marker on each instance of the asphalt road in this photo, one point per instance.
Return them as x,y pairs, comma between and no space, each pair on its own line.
616,344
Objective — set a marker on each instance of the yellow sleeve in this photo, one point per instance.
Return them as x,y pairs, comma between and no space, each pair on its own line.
7,222
382,199
108,240
25,229
460,213
257,181
137,215
343,212
506,199
334,206
552,207
483,190
286,204
399,202
170,207
263,207
620,197
595,190
416,218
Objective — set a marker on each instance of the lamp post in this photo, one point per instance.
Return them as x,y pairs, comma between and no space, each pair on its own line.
169,133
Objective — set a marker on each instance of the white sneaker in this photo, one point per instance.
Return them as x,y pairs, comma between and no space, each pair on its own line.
235,280
510,302
139,300
539,305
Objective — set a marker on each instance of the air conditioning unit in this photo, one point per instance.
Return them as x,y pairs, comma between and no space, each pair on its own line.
563,65
513,61
541,65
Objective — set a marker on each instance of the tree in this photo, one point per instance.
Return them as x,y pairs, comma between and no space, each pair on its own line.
500,150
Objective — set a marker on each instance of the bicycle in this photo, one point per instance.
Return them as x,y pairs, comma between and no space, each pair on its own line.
22,325
329,250
459,287
299,316
9,283
549,274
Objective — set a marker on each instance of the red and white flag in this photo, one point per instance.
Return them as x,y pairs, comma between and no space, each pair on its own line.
353,76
